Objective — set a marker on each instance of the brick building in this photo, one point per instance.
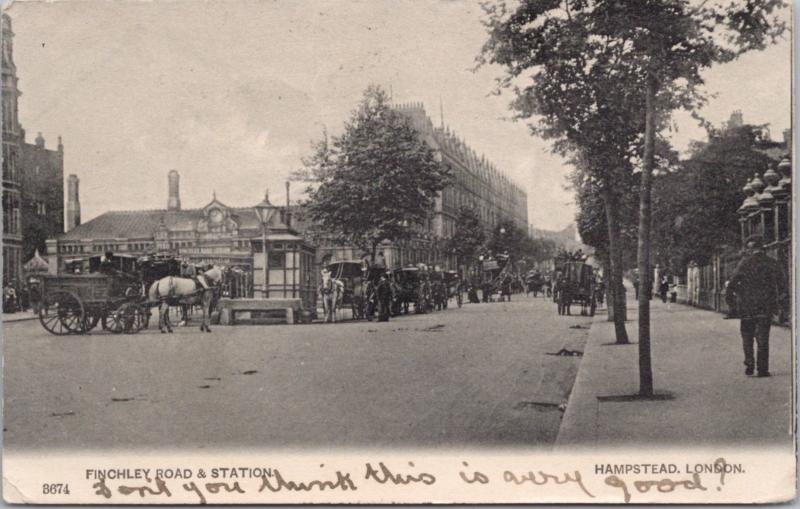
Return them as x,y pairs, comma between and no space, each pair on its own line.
33,177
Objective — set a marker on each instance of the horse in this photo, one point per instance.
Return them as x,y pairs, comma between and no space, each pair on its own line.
331,292
172,291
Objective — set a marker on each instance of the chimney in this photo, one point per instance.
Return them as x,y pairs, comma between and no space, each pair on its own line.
174,201
60,146
73,203
288,210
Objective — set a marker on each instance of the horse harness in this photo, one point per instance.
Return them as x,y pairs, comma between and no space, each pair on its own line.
200,282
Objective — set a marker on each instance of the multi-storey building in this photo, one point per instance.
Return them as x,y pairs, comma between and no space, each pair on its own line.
42,203
33,177
476,184
12,224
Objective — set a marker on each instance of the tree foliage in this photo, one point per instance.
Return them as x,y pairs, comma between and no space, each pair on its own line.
601,78
377,181
695,208
469,236
591,218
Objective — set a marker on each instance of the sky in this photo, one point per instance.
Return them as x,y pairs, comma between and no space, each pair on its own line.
231,94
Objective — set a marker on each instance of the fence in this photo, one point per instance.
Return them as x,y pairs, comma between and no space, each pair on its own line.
704,286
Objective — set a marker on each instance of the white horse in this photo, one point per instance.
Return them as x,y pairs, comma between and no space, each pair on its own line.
172,291
331,292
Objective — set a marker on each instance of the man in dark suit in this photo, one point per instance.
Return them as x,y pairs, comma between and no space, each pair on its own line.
384,294
759,286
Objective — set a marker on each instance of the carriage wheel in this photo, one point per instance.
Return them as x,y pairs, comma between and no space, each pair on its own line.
129,318
62,313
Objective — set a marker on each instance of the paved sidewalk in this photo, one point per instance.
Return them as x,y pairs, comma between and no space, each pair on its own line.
697,358
18,316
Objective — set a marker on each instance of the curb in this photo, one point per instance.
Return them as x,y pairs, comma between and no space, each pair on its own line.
579,422
26,319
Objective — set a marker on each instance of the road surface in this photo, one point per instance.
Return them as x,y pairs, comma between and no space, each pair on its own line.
470,377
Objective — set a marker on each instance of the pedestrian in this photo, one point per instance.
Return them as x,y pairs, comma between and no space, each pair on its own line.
486,290
505,288
369,298
472,294
384,294
635,281
663,289
759,286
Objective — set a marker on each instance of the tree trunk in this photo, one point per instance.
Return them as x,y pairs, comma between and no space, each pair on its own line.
643,251
608,293
616,289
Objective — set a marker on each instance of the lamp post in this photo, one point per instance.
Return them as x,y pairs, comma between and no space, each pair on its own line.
265,210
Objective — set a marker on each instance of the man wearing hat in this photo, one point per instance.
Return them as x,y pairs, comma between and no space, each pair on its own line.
759,286
384,293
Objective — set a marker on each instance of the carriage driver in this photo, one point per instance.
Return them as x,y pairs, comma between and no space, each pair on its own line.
189,270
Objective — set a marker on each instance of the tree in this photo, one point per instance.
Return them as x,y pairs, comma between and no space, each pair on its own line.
468,237
507,238
597,65
566,77
669,43
694,208
377,181
592,223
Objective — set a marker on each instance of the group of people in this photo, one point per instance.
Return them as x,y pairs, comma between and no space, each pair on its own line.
18,297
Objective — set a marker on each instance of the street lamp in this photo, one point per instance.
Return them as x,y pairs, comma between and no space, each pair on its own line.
265,210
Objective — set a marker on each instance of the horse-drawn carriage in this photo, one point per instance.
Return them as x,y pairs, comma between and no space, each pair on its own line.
412,287
576,284
351,275
109,293
117,292
534,282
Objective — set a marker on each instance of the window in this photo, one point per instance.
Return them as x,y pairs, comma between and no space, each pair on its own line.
277,260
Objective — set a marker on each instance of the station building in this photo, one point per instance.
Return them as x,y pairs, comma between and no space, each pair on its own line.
216,234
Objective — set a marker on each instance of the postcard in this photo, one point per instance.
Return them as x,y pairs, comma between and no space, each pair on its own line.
412,251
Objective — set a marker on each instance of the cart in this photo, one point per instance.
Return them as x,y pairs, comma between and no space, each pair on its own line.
576,285
351,275
111,296
413,287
